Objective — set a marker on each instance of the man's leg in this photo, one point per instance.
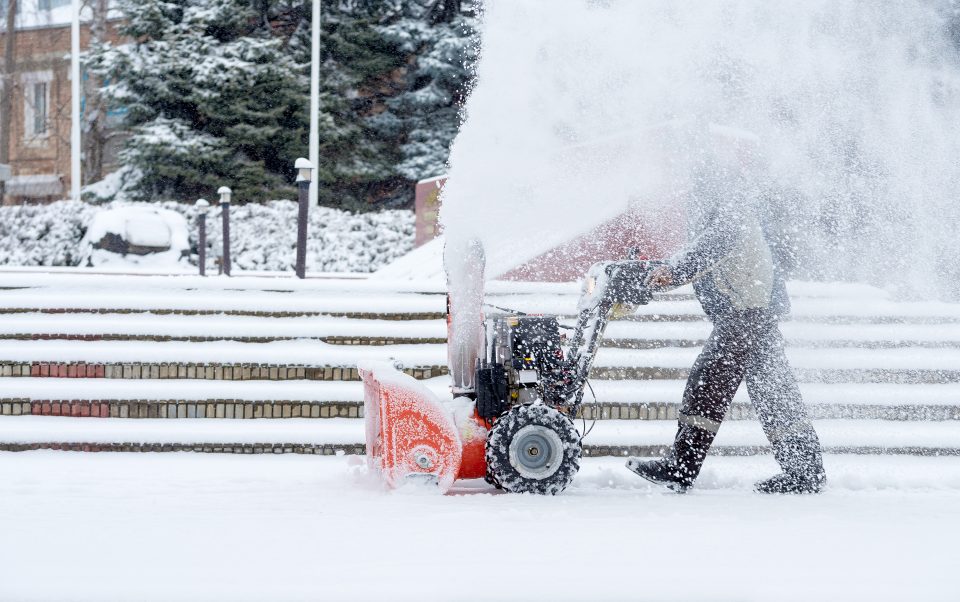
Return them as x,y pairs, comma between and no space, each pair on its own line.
776,397
712,383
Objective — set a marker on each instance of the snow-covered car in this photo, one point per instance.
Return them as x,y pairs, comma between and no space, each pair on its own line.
143,236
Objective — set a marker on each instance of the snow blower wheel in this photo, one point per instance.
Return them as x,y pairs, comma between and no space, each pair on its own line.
533,449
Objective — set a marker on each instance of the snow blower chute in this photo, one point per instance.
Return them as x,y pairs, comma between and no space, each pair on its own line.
511,418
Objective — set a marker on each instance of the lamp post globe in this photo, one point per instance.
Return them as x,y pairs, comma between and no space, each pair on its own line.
304,169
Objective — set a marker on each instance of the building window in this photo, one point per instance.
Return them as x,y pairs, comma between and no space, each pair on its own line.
36,106
39,108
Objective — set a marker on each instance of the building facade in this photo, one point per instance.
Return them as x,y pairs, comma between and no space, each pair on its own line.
40,95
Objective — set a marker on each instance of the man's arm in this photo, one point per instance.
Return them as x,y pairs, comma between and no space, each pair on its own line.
705,251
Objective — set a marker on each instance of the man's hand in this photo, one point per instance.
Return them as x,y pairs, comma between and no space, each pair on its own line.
660,277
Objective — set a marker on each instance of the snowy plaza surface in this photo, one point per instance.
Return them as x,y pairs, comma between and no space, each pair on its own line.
193,526
204,527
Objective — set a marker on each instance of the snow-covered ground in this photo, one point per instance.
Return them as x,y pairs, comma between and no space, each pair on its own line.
204,527
834,434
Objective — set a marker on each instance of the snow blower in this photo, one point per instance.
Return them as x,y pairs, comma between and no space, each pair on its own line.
515,428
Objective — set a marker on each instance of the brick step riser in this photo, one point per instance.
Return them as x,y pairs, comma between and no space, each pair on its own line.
640,344
590,451
331,340
225,409
195,371
267,372
232,409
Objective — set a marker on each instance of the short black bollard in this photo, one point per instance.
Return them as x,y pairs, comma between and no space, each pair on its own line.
202,207
304,175
224,193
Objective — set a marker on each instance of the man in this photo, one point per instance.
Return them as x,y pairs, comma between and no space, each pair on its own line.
733,272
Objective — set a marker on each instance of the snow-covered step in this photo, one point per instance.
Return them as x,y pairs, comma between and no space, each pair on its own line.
337,330
652,335
904,365
882,394
248,302
229,440
307,391
220,326
308,352
828,302
307,436
83,278
143,371
615,400
834,434
618,392
293,353
816,309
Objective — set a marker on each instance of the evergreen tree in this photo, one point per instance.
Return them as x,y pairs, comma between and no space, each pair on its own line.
216,91
442,41
210,99
357,161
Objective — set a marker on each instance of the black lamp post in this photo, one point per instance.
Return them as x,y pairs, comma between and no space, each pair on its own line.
224,193
202,207
304,175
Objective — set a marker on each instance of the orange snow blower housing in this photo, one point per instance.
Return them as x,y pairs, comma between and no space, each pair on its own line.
513,421
410,432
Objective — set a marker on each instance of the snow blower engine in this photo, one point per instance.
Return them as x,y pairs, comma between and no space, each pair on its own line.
516,428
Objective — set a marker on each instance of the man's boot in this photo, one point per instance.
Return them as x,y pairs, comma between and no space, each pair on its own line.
792,483
802,462
679,469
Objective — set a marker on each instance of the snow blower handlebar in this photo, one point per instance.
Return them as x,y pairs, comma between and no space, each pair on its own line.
610,288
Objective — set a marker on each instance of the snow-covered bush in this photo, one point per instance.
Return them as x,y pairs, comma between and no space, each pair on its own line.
262,236
43,234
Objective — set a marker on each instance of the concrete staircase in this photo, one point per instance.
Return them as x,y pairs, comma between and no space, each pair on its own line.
268,365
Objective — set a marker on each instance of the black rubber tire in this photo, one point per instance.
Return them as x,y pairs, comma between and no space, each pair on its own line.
503,473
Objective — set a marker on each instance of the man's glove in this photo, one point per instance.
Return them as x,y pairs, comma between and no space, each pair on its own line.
627,282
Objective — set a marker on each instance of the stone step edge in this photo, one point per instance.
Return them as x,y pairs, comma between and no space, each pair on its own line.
252,409
645,344
191,371
373,341
359,315
589,451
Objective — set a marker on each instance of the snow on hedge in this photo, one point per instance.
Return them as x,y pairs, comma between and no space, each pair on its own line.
263,236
